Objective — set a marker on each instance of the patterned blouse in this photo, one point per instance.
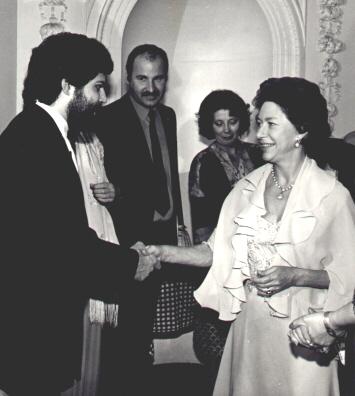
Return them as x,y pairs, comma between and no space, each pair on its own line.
212,176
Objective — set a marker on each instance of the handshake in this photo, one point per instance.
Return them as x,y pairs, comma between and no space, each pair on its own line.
149,260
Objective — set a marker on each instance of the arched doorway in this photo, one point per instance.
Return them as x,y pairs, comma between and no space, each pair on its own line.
274,29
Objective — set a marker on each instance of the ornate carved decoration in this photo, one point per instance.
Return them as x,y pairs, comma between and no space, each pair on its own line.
330,24
52,11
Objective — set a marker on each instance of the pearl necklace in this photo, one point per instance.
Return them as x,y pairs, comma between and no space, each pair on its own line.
277,184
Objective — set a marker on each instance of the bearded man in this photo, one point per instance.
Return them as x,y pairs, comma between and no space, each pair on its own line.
52,262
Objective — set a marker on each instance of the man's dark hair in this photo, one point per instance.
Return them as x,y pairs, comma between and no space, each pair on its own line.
222,99
152,52
74,57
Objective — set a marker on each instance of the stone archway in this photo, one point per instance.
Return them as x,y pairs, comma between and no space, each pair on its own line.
288,35
107,20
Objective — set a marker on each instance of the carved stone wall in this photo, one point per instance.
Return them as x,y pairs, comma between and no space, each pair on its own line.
329,44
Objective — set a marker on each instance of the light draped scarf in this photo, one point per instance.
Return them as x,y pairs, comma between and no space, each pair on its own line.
317,231
90,159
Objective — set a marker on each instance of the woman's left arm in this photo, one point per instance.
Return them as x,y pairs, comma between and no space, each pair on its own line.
278,278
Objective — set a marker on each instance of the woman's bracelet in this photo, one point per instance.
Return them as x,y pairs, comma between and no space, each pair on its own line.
327,325
333,333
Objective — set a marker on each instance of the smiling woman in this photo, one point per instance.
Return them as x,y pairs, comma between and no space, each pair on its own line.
278,138
275,257
276,134
281,215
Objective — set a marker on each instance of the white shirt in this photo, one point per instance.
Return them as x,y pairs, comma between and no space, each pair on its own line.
62,126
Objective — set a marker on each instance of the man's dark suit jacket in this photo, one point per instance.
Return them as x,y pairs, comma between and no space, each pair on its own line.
129,167
51,260
341,157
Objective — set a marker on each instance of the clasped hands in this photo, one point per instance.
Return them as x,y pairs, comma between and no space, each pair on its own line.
310,331
148,261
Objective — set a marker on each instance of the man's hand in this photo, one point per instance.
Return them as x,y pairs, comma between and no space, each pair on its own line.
141,248
103,192
147,262
155,250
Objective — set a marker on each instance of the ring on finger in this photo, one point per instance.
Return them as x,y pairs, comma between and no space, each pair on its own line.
293,338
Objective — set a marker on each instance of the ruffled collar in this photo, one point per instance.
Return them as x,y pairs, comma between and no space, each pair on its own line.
311,187
318,184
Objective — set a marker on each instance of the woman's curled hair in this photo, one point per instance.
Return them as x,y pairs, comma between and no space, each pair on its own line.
222,99
305,107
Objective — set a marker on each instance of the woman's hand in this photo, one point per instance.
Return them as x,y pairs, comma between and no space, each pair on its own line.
275,279
309,331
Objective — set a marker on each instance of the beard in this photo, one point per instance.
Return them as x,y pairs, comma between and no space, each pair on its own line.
80,113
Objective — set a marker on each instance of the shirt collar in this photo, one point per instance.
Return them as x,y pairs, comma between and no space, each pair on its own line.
62,126
141,110
57,117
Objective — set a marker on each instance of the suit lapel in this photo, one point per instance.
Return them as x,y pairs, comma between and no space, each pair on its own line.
55,151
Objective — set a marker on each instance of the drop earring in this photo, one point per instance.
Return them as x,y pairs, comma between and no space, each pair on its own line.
297,142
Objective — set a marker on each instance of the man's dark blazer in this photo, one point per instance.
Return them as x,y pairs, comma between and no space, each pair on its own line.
341,157
51,260
129,167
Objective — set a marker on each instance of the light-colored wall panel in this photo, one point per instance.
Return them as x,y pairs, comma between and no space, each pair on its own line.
8,23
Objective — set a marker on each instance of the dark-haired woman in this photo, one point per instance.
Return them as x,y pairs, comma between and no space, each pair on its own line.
224,117
284,243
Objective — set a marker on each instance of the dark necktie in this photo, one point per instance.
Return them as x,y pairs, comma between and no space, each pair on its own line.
160,183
